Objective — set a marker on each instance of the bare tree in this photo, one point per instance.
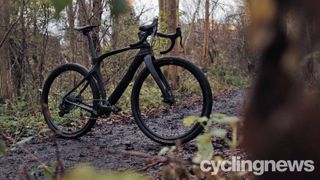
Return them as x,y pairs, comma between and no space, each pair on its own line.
83,19
191,29
206,27
168,13
96,20
5,71
71,12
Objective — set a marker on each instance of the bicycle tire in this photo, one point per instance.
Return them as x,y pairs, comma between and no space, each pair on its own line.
205,89
46,109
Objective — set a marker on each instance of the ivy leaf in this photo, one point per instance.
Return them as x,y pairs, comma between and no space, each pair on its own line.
220,133
163,151
205,148
84,172
202,119
187,122
226,120
217,116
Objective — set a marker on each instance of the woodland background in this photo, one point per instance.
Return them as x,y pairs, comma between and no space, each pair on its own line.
35,40
274,42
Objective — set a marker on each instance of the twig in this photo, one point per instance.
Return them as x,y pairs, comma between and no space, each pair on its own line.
59,165
34,157
155,159
23,174
85,11
11,27
153,164
140,154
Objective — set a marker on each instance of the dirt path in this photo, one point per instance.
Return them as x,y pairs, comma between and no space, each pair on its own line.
94,148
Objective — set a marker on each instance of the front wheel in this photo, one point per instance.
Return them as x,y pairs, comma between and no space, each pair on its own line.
162,121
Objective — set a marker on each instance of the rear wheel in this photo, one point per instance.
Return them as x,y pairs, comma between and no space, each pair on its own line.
61,111
163,122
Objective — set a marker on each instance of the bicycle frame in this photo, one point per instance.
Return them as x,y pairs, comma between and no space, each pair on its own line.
144,55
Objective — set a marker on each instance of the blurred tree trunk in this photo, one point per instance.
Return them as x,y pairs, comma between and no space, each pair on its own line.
206,27
83,20
5,74
71,33
115,31
96,20
162,16
311,66
122,13
45,38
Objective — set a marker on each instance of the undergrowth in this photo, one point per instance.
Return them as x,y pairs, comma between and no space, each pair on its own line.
224,78
22,118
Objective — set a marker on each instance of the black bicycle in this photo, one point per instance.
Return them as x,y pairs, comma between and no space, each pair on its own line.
73,97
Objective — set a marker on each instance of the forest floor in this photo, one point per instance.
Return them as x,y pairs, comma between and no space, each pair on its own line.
103,147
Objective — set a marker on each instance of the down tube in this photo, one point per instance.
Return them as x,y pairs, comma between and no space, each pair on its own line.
124,83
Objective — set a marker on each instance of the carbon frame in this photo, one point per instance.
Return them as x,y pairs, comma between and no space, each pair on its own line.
145,54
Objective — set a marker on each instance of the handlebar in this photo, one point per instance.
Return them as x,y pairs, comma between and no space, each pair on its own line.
151,29
172,38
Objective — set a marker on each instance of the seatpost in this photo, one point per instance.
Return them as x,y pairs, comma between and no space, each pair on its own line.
92,47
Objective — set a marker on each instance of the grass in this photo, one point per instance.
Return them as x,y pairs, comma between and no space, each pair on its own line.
20,118
224,78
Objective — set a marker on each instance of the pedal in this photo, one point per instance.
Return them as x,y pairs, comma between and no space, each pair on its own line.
106,109
115,109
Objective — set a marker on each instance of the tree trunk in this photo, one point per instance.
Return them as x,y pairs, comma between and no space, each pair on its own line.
162,16
171,12
206,27
191,29
5,70
115,31
83,20
96,20
71,33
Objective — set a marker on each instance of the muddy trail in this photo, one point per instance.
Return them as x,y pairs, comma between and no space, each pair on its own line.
102,147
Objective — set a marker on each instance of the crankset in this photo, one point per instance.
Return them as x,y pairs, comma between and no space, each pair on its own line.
105,110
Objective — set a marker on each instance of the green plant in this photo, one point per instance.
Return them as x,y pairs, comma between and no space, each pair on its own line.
217,126
21,118
226,77
213,127
84,172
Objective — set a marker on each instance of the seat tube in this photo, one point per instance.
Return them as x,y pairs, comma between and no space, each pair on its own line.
92,47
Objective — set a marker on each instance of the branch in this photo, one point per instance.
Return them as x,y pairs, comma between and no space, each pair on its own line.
13,25
9,30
